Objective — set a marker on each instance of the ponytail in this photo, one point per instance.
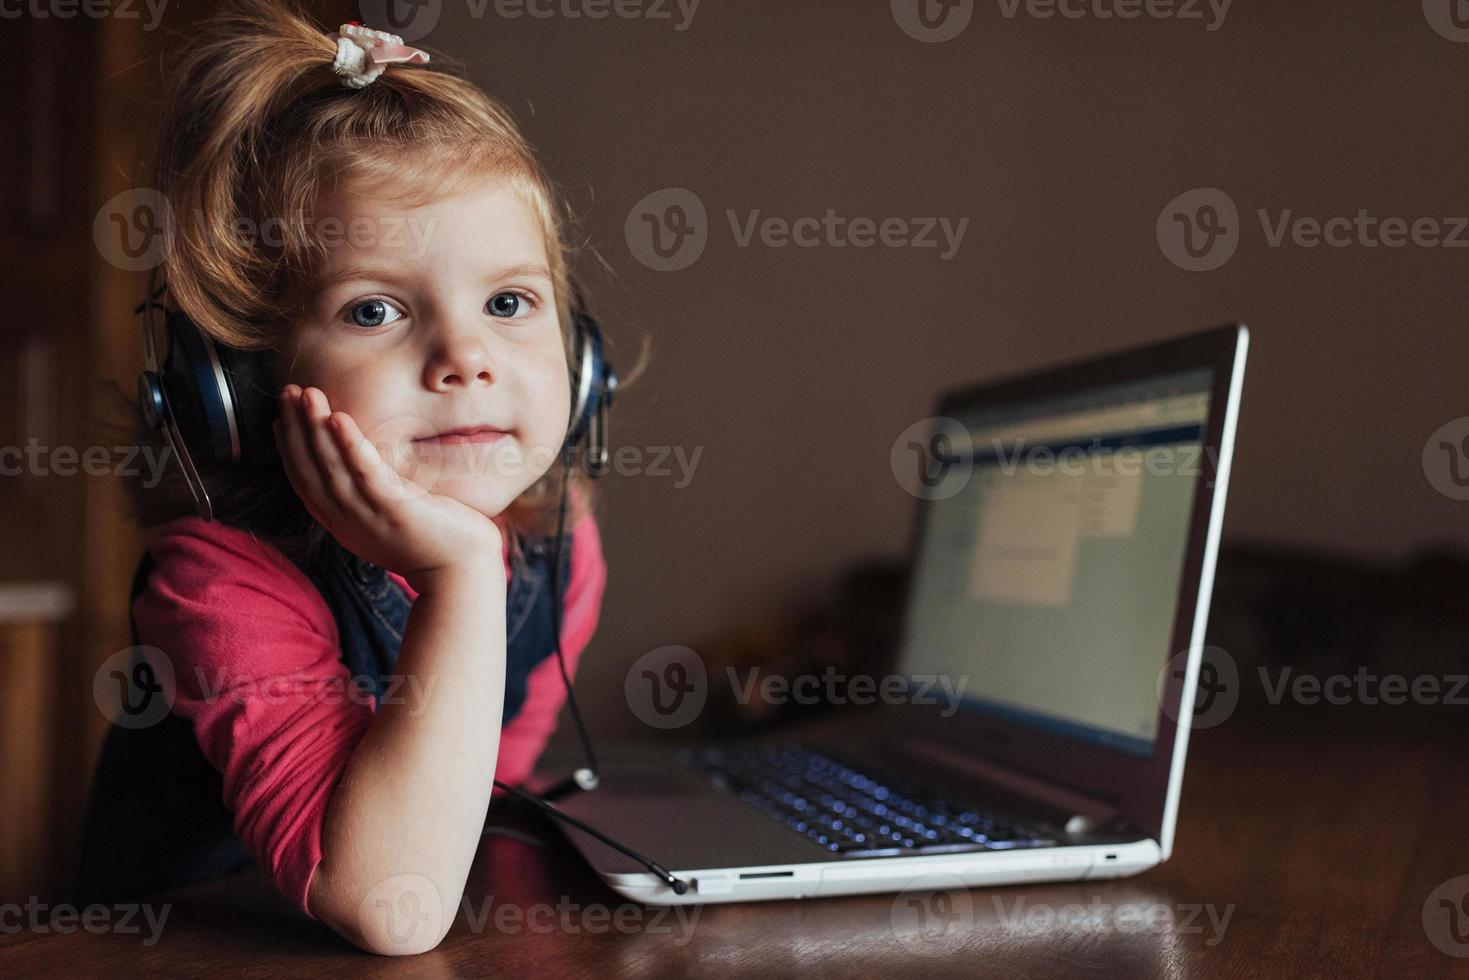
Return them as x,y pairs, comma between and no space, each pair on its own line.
243,68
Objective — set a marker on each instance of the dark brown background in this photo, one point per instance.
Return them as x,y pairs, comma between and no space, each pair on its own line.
792,370
1062,141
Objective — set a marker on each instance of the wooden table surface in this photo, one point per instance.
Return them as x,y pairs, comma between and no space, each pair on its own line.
1310,843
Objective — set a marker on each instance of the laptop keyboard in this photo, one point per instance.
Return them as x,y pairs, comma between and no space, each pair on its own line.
852,812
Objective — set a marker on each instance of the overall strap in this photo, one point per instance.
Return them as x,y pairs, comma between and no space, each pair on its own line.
371,612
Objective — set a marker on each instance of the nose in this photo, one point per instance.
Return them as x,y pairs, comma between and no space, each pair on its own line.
460,358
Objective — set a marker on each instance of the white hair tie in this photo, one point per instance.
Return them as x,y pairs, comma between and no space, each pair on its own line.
363,54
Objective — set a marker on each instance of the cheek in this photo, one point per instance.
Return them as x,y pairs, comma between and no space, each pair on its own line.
561,384
364,389
353,383
552,387
355,394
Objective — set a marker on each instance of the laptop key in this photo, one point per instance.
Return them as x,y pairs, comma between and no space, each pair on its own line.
853,813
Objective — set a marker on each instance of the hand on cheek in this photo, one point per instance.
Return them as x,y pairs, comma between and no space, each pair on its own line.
371,510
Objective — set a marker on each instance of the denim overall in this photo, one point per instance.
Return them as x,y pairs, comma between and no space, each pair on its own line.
157,820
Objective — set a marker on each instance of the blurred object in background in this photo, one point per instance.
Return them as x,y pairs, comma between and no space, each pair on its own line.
78,105
1283,614
1280,615
30,648
847,629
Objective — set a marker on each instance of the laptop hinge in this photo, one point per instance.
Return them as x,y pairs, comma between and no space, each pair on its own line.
1081,813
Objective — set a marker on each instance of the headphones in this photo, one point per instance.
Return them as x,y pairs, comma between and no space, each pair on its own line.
219,401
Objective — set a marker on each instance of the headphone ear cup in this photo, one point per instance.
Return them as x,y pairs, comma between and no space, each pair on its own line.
202,411
247,373
587,378
191,389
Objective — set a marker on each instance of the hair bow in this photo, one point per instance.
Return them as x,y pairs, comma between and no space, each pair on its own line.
363,54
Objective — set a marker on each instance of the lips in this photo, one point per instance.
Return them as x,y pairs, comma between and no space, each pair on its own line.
466,436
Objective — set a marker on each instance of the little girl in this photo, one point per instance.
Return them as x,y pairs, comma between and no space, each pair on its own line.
360,641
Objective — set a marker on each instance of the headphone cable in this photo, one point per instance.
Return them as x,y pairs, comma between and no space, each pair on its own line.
679,886
585,778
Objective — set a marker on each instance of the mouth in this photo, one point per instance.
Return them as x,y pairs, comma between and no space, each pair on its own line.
473,435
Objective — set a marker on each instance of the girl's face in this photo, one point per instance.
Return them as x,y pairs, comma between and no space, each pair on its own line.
435,328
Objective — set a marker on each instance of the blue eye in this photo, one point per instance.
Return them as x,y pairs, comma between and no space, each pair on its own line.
373,313
508,305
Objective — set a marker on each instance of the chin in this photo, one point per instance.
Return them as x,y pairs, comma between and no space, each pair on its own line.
487,495
485,478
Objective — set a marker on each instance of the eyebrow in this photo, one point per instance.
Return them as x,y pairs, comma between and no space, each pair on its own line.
360,272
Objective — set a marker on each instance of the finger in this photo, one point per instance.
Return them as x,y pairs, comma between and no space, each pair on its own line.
377,481
333,467
297,457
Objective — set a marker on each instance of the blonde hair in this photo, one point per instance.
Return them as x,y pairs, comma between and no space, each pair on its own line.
256,128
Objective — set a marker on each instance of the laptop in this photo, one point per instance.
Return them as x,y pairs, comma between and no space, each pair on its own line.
1067,526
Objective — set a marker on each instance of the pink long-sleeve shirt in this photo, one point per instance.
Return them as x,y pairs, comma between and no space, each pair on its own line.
257,665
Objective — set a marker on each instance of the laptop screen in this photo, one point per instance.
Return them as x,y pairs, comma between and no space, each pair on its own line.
1051,556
